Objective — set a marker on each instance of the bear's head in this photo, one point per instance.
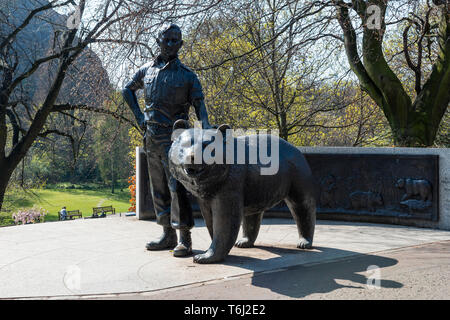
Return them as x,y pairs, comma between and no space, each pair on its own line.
196,158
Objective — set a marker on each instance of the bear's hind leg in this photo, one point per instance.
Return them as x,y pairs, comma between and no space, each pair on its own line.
303,209
250,230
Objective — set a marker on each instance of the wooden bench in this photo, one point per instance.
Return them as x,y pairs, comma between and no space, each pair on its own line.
98,211
71,214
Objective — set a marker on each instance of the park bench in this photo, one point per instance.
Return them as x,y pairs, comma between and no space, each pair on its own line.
71,214
98,211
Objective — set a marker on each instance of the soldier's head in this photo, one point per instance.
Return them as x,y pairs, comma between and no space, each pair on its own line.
169,40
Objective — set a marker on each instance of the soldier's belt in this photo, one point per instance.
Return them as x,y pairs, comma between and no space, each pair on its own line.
157,125
163,110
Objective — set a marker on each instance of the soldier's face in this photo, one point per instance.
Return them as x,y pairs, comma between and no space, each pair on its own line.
169,43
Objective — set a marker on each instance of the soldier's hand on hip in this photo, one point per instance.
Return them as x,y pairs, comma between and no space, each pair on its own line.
206,125
143,125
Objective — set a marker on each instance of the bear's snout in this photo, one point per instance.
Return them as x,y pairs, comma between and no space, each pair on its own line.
192,170
189,158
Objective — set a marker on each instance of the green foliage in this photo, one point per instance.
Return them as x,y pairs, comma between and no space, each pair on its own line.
443,135
53,200
111,145
83,158
275,88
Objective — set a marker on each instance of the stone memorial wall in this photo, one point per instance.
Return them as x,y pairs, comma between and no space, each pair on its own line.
406,186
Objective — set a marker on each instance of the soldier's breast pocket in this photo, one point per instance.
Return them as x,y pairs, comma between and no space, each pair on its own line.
176,92
150,88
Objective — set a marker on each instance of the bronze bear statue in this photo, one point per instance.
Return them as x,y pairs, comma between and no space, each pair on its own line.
235,190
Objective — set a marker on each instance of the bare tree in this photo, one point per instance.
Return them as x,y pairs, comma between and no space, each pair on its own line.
120,31
72,37
266,64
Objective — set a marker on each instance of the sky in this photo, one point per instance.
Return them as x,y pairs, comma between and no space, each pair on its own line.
119,74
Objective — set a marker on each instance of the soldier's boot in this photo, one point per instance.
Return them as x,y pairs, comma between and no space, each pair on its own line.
168,240
184,247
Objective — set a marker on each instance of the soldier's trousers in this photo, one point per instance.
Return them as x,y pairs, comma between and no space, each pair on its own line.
172,206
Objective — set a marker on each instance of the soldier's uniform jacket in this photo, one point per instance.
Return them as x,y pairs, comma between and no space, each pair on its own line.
169,90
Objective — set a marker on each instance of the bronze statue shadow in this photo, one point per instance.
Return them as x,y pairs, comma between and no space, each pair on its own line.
347,269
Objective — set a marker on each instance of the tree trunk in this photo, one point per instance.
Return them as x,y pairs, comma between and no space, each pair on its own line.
4,179
2,191
412,124
113,176
19,150
283,126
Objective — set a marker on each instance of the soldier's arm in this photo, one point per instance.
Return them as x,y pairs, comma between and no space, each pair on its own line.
202,114
198,101
129,95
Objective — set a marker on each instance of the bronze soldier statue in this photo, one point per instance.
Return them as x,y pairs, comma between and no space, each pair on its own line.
170,88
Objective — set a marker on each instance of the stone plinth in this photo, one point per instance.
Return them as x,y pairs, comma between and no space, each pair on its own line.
431,163
441,187
144,202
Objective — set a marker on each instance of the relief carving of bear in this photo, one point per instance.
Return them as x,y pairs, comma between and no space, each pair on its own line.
419,188
233,190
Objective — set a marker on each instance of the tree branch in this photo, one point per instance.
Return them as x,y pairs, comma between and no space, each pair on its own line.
67,107
434,98
351,49
21,148
15,125
27,20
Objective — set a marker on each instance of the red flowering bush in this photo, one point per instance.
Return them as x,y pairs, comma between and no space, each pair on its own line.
132,188
136,141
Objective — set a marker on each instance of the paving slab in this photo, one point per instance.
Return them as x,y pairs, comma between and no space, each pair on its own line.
410,273
88,257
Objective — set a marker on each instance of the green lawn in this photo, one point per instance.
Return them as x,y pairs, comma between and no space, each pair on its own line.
74,199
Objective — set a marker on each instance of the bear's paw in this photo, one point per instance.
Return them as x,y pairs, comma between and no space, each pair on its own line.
244,243
207,257
304,244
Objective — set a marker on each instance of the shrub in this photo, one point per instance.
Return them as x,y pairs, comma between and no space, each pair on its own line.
29,215
132,188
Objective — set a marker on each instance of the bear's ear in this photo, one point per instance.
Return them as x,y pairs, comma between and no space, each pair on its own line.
181,124
223,128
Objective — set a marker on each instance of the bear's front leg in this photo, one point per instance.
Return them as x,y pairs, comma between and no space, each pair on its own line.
227,212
